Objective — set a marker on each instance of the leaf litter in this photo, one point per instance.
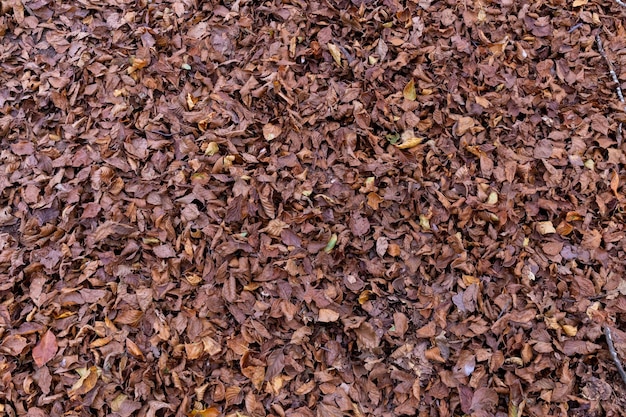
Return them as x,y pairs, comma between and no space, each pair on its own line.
311,208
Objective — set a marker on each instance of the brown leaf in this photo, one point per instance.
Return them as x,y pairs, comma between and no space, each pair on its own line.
129,317
326,315
13,345
463,125
359,225
164,251
366,337
46,349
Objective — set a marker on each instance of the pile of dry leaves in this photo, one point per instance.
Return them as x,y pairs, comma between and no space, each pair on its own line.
311,208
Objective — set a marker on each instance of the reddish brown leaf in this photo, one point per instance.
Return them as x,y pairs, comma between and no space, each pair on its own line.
46,349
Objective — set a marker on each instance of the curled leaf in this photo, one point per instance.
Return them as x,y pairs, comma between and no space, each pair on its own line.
335,52
331,243
409,143
409,92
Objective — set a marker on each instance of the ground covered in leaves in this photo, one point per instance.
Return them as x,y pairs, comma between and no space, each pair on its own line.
311,208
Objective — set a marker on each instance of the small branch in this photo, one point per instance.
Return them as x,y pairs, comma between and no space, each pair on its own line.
613,74
609,342
620,2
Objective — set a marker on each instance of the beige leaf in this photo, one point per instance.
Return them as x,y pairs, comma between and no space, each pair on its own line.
545,227
271,132
409,143
194,350
335,52
327,315
211,346
87,382
483,102
463,125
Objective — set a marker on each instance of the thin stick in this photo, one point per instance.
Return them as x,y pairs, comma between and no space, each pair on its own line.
620,2
609,342
613,74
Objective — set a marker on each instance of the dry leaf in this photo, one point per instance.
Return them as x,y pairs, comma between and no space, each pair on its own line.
205,412
271,131
409,143
335,52
463,125
326,315
545,228
46,349
409,92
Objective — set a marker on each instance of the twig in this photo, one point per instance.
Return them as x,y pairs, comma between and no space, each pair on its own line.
620,2
609,342
618,88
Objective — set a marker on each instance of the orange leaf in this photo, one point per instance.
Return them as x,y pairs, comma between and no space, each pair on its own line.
46,349
207,412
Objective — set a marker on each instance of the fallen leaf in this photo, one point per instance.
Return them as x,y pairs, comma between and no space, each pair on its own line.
545,228
409,92
335,52
46,349
271,131
326,315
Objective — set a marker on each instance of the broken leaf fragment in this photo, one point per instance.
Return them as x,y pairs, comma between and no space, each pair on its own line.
393,138
137,64
424,222
335,52
271,131
409,92
211,149
545,228
191,101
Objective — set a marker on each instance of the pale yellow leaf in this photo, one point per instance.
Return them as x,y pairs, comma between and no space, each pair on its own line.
335,52
409,92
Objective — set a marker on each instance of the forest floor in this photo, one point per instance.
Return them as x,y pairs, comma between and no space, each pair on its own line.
312,208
